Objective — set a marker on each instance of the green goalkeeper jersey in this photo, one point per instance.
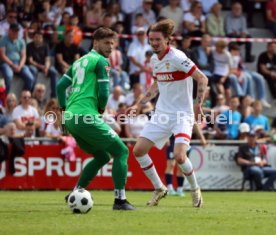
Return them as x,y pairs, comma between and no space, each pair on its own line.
89,80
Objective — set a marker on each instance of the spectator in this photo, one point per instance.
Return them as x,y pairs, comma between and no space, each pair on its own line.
215,22
194,21
136,54
267,66
228,122
2,11
26,13
66,52
80,9
271,15
186,5
45,16
11,103
257,118
220,106
244,129
107,21
135,124
24,113
205,62
222,63
136,93
3,94
239,79
246,108
119,76
62,27
251,158
39,94
207,5
53,130
93,17
30,133
242,79
204,56
128,8
147,12
236,27
34,26
77,32
13,59
39,60
174,12
11,18
139,22
115,99
146,78
115,11
50,113
3,119
119,28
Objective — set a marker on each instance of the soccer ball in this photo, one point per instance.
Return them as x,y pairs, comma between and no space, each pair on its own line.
80,201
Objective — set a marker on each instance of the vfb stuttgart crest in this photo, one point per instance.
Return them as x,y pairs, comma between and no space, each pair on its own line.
167,65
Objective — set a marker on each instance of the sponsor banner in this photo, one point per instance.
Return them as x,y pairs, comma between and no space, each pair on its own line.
43,167
215,167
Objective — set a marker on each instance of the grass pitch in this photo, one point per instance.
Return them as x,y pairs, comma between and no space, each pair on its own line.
32,212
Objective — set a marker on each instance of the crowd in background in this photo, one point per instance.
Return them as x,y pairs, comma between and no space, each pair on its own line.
46,37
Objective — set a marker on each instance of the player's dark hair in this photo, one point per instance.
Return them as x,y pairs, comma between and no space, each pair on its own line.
165,27
103,32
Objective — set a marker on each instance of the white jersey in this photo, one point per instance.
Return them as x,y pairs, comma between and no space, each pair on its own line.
173,76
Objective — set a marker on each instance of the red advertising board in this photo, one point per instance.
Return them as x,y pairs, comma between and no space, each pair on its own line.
43,167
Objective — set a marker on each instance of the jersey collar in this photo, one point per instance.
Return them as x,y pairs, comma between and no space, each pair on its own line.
165,53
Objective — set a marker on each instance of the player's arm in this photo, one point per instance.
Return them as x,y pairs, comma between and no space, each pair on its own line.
102,73
150,94
202,82
199,134
62,85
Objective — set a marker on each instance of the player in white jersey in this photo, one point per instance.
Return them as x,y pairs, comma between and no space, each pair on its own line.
175,112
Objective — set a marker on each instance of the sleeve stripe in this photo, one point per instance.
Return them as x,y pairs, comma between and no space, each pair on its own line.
65,75
103,80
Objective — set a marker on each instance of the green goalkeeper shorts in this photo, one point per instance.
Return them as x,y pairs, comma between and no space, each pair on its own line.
92,135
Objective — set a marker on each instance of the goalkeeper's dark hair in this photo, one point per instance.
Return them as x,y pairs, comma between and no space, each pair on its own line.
166,27
103,33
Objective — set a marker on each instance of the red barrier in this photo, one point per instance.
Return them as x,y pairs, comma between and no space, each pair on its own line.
43,167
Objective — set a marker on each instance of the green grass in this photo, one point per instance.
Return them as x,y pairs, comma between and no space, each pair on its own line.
27,213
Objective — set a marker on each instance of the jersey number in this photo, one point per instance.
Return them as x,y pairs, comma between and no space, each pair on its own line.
80,71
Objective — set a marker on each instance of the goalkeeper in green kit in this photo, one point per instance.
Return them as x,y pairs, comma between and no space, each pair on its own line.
89,81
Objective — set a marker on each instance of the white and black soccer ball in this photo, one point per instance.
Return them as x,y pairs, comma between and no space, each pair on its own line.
80,201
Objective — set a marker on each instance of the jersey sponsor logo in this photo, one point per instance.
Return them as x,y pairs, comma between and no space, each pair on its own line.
171,76
164,77
187,63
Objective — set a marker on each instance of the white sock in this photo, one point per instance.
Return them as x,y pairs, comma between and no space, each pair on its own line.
148,167
120,194
170,187
187,169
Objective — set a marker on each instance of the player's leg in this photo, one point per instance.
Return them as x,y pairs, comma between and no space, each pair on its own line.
180,183
120,154
140,152
170,166
89,172
186,167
